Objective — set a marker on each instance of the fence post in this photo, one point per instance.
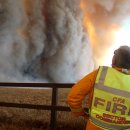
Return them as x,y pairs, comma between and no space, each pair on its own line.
53,110
53,107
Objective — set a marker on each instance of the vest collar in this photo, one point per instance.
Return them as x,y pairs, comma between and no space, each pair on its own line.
123,70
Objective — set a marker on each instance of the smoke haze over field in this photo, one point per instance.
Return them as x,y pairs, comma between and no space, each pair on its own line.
52,40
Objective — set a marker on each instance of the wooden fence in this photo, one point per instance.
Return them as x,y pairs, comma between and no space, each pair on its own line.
53,107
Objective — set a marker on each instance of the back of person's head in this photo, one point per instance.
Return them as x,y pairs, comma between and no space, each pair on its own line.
122,57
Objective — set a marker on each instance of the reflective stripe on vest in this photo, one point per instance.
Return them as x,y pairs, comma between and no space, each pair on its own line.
111,100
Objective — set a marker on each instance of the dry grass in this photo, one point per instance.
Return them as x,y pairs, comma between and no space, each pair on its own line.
26,119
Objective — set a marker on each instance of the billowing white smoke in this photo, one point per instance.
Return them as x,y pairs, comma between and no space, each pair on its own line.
12,47
44,40
105,16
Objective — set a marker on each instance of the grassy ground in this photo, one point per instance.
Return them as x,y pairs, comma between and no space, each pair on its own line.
26,119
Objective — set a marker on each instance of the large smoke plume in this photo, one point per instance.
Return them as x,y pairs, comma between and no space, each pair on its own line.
43,40
46,40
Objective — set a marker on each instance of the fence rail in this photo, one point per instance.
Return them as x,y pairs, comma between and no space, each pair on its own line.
53,107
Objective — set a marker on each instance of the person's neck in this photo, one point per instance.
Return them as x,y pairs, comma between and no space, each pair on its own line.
123,70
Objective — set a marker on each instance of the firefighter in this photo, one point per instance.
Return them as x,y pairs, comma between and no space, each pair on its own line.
108,90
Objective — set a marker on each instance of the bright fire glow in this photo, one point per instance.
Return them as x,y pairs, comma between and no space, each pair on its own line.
105,37
88,25
122,37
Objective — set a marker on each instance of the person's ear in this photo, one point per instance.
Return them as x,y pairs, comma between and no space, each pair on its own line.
113,61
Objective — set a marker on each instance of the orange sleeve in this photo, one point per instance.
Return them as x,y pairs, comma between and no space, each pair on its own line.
79,91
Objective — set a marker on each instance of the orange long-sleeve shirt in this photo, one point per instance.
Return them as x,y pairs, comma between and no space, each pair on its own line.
78,93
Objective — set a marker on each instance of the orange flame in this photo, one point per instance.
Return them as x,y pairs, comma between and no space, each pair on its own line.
101,35
88,24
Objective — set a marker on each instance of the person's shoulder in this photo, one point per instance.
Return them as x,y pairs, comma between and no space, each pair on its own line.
93,72
91,75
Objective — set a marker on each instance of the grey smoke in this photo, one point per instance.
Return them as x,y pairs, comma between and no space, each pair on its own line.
43,41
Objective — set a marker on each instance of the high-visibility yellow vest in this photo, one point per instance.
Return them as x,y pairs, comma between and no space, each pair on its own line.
111,100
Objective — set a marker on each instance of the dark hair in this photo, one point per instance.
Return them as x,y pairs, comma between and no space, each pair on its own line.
122,57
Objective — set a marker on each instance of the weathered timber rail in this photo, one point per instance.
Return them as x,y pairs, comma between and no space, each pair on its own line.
53,107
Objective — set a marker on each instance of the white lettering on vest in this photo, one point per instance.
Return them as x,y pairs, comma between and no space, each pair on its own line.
118,100
98,101
114,106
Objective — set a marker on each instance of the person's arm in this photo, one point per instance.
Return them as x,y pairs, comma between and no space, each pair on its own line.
79,92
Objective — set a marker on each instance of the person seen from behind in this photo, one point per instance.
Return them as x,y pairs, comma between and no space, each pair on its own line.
108,91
